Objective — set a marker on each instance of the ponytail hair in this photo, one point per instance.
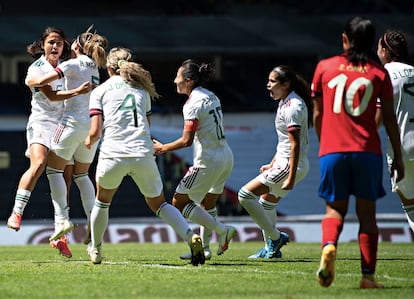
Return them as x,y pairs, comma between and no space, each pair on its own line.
200,74
120,61
361,36
297,84
93,45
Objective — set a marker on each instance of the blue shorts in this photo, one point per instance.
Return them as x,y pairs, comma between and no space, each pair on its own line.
354,173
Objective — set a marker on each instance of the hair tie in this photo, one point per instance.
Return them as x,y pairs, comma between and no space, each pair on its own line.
121,62
78,41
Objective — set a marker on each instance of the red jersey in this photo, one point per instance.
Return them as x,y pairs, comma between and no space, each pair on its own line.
349,94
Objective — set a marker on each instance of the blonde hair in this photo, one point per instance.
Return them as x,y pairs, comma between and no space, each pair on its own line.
93,45
120,61
116,57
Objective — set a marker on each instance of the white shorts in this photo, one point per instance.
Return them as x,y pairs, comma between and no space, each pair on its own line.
40,133
406,185
197,182
275,176
144,171
68,142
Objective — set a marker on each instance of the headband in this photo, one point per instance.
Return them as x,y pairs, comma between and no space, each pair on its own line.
281,73
388,46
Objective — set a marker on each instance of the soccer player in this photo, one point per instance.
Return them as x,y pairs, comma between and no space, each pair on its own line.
127,149
89,54
289,164
46,111
345,90
394,55
213,158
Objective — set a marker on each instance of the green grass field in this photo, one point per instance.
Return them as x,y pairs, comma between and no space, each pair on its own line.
134,270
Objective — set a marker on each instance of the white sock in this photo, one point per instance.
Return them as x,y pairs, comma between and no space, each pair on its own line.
21,200
58,192
248,200
99,222
173,217
409,213
270,210
206,233
198,215
87,192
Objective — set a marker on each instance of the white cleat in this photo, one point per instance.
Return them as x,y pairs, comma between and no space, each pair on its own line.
225,238
95,254
61,229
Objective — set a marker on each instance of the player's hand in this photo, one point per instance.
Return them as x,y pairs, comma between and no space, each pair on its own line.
288,184
265,167
85,87
89,141
157,147
397,170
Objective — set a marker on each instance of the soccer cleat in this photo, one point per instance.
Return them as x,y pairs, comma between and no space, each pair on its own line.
275,245
14,221
369,282
326,271
261,253
225,238
197,252
207,254
206,235
95,254
62,245
61,229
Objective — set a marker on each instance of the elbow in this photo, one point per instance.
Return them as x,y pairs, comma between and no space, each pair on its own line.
187,143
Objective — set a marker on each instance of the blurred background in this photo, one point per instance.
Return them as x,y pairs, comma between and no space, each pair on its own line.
243,39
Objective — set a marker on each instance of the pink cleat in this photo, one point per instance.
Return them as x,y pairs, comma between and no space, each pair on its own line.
14,221
62,245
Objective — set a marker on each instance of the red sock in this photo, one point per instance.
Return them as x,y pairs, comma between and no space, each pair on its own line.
331,229
368,246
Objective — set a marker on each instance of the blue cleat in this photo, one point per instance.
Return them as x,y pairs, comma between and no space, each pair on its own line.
258,254
261,253
275,245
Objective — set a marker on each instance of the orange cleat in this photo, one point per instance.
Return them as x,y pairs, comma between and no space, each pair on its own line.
326,271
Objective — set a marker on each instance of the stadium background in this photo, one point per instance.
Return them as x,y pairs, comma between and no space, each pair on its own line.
243,39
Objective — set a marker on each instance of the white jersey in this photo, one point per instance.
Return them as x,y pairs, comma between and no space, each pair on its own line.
209,140
43,109
126,131
292,113
402,77
77,71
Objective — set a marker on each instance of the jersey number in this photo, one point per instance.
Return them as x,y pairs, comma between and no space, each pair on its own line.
129,103
217,119
339,83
